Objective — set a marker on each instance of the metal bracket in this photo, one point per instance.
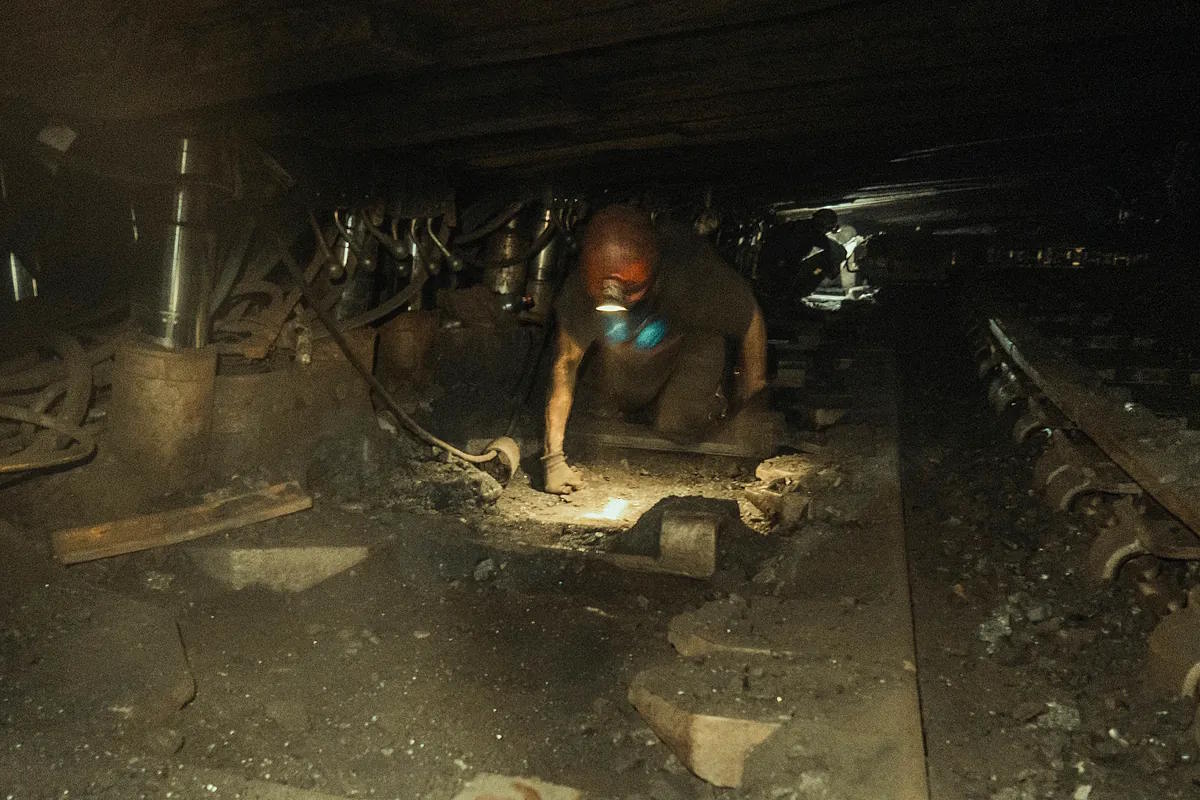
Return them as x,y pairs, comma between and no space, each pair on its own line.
1005,389
1065,471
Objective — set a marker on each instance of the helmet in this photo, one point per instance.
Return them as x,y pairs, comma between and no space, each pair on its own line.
618,256
826,220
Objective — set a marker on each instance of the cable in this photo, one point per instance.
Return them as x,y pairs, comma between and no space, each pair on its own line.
411,424
50,371
392,244
85,442
359,255
400,298
492,225
456,263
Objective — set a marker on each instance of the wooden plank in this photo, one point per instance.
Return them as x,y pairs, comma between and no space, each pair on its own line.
756,436
1159,455
145,531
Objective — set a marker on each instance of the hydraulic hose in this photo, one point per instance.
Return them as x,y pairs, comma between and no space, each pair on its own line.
411,424
51,371
493,224
23,461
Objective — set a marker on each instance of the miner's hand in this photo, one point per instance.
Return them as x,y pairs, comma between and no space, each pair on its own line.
560,477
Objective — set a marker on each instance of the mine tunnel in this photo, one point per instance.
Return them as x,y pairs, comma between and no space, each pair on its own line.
644,401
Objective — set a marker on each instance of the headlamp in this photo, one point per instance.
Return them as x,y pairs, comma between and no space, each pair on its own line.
613,297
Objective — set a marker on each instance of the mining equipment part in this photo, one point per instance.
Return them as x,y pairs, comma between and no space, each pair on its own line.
1067,470
507,460
1039,415
1113,547
987,362
254,417
160,419
1174,663
173,310
687,542
1153,590
1005,389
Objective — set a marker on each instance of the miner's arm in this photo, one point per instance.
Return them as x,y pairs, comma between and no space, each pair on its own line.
560,478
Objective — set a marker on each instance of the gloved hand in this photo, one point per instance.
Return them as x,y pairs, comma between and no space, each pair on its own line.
560,477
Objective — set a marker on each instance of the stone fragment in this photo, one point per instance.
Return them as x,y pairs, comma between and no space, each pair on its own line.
280,569
825,417
791,468
1060,717
793,509
484,571
488,786
713,747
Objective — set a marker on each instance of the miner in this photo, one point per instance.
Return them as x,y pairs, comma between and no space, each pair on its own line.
796,256
661,310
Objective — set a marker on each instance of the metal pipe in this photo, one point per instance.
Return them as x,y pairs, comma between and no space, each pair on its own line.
543,267
175,313
22,285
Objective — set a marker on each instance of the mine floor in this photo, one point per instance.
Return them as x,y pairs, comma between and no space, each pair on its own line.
471,640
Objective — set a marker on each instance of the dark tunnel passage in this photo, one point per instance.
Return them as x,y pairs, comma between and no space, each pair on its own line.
666,401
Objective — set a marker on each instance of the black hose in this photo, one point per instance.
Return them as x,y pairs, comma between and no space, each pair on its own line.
399,299
492,225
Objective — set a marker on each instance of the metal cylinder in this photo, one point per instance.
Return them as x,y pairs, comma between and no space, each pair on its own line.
359,289
21,284
173,308
505,245
542,270
160,418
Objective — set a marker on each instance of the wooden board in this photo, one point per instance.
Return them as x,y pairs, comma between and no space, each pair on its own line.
744,436
145,531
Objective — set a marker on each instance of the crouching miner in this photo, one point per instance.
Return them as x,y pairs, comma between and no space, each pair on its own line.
662,310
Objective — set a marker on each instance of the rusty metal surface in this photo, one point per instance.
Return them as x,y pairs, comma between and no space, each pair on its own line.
48,432
1067,470
1156,453
254,419
160,418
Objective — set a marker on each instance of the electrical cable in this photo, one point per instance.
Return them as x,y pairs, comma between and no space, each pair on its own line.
411,424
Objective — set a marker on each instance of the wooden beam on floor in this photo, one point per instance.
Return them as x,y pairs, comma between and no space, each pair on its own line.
145,531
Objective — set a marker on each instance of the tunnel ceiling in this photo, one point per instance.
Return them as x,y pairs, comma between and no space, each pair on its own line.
753,91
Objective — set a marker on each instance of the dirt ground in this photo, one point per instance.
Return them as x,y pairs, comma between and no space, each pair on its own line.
483,638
